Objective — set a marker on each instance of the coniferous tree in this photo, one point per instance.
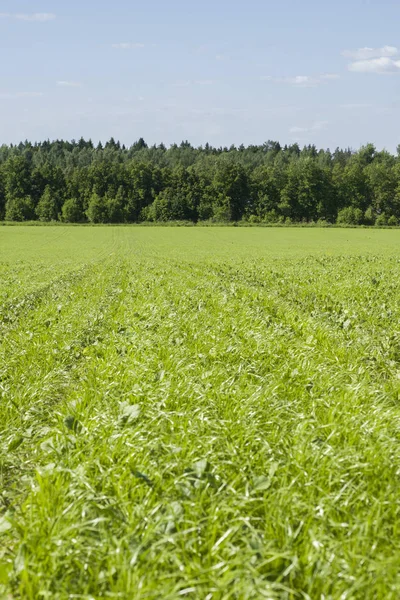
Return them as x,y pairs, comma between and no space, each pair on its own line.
260,183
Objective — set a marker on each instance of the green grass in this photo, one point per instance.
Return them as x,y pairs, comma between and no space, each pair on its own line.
199,413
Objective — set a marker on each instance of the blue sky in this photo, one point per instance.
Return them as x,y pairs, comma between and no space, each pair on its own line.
222,71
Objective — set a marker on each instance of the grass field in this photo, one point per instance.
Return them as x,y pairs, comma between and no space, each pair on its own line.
201,413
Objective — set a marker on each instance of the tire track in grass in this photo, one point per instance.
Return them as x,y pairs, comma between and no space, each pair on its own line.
43,367
42,420
371,403
20,306
146,341
48,341
17,306
331,322
387,420
36,335
340,351
232,477
16,278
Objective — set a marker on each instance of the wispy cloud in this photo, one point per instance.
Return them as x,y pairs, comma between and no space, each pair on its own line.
16,95
375,65
183,83
128,45
73,84
317,126
39,17
189,82
302,80
354,106
374,60
368,53
215,111
330,76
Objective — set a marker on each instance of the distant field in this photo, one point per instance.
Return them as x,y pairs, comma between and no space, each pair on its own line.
206,413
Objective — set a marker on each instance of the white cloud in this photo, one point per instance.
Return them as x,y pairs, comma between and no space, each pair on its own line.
128,45
302,80
298,80
368,53
374,60
375,65
69,84
40,17
317,126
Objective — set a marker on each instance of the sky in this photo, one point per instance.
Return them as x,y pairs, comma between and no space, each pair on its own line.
218,71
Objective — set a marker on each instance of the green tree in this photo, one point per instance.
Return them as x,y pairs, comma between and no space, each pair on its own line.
169,205
265,192
47,175
382,182
17,177
222,209
72,211
116,207
47,208
259,182
350,216
20,209
356,190
143,182
369,216
381,220
232,189
2,195
307,194
97,209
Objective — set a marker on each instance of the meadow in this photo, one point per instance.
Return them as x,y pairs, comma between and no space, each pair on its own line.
202,413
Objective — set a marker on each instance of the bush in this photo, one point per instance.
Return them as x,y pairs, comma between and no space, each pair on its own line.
20,209
350,216
381,220
72,212
222,214
253,219
323,223
393,221
271,216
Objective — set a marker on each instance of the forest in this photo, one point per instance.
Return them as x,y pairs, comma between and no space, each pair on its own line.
79,182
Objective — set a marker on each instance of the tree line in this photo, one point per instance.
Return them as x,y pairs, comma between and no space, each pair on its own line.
79,182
